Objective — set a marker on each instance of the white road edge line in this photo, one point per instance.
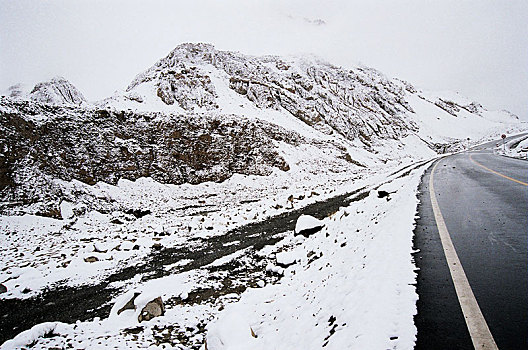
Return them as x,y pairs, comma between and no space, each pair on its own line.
477,326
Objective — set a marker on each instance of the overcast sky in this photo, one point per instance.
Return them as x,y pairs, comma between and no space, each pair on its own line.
478,48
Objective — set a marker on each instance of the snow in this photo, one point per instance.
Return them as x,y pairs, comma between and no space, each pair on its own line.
355,296
364,263
307,222
515,148
348,286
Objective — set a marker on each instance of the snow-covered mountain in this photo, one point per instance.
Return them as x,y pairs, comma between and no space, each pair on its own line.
358,103
201,114
354,104
184,189
56,91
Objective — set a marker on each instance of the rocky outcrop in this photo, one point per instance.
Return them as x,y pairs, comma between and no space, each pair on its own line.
188,88
70,143
358,103
448,106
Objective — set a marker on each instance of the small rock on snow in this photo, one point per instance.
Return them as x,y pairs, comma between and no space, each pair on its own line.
91,259
275,269
383,194
153,309
3,289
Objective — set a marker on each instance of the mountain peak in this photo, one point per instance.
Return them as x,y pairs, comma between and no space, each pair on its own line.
352,103
57,90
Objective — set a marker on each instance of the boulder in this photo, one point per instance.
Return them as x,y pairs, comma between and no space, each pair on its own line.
285,259
3,289
99,248
307,225
153,309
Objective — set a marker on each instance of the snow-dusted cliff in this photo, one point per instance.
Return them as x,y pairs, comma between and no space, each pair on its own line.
56,91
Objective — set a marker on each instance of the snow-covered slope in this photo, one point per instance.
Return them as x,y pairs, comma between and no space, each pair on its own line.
516,148
445,117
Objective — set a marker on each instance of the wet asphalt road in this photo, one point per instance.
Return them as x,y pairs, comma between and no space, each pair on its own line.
487,218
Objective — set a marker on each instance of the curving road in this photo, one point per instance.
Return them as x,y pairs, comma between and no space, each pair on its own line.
483,199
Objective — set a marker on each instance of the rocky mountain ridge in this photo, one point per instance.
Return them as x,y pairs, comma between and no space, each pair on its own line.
353,103
201,114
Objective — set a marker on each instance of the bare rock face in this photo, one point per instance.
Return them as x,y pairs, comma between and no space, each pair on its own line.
44,142
153,309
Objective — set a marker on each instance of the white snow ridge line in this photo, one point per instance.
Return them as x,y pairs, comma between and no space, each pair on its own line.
477,326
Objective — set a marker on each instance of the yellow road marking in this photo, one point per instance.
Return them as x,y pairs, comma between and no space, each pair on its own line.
477,326
496,172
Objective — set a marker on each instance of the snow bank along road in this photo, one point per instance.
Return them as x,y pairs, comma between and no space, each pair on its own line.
483,200
375,232
68,304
